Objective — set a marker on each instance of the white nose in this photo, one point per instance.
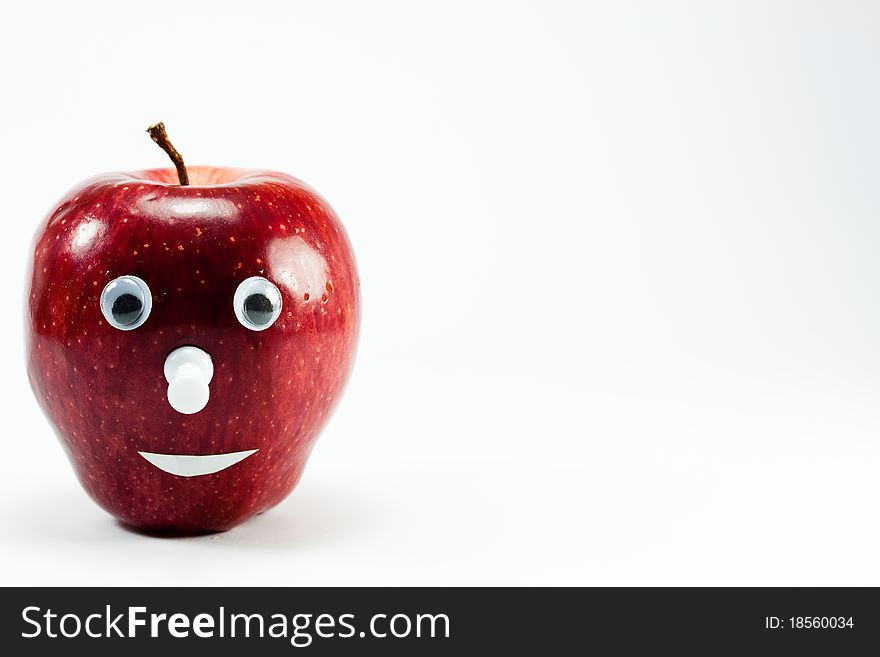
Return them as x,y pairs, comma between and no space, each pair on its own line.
188,371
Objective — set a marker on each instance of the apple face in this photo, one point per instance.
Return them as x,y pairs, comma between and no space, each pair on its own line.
189,342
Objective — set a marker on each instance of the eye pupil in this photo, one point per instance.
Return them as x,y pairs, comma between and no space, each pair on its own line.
127,309
258,309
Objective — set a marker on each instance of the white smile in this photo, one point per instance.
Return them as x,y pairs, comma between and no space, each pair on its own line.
186,465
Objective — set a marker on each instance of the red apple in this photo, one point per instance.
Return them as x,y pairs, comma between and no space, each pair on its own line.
252,269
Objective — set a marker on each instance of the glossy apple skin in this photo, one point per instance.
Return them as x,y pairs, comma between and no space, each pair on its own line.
104,390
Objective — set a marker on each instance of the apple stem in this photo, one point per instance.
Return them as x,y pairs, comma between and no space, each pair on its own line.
158,134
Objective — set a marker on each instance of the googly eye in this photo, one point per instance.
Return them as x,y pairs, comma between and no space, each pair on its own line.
257,303
126,302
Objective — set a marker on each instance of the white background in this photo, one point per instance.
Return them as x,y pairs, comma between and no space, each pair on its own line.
619,266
